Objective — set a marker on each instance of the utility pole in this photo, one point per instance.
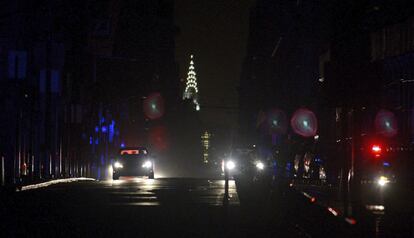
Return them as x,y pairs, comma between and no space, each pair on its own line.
226,185
47,154
2,171
17,156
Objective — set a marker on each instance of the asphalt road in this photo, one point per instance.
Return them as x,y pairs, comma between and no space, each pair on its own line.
171,207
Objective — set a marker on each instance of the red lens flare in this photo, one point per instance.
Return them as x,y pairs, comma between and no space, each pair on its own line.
158,137
154,106
304,122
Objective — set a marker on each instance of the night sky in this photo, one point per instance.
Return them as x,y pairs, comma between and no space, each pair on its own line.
215,31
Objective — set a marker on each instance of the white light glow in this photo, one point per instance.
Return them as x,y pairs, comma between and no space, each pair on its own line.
382,181
230,165
375,207
110,172
147,164
118,165
116,182
260,165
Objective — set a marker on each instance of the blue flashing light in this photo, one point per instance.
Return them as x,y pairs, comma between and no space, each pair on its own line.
96,141
104,129
386,164
122,145
90,140
97,129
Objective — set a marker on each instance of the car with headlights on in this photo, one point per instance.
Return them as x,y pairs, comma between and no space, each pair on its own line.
253,177
133,161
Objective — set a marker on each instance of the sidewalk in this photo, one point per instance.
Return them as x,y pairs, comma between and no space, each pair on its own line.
326,197
314,216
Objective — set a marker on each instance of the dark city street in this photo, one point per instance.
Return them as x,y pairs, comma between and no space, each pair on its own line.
139,207
207,118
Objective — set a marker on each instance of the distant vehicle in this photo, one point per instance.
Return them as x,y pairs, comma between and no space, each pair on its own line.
252,174
133,161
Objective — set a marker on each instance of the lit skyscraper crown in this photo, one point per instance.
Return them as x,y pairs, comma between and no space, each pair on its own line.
191,89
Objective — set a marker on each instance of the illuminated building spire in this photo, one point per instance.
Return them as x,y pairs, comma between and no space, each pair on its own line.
191,89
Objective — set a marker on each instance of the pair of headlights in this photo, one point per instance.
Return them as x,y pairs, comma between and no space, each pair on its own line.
230,165
147,164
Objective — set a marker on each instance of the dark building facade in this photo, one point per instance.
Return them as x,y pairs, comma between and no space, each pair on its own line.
138,62
37,43
73,78
366,69
281,64
347,61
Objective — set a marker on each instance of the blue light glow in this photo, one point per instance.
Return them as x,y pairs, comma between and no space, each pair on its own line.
386,164
104,129
111,131
122,145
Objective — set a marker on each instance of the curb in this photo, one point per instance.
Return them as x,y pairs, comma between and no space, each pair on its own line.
333,211
52,182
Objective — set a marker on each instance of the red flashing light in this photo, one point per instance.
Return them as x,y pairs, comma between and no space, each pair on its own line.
129,152
376,150
351,221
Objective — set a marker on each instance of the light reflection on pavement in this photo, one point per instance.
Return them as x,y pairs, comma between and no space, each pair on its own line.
130,191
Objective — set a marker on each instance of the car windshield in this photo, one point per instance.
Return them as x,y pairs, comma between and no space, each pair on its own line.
133,156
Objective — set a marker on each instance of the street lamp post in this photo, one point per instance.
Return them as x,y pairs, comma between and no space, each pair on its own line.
226,186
